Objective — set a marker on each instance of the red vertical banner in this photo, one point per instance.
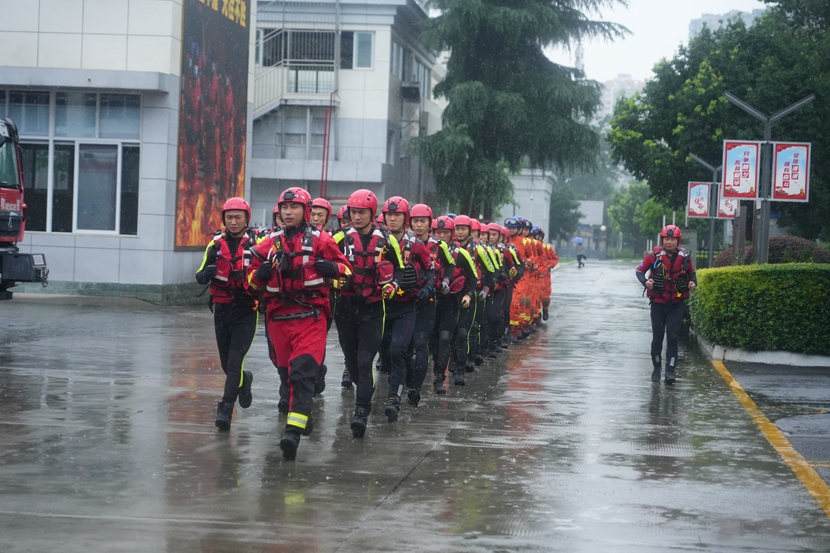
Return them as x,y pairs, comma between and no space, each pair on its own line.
741,169
698,200
213,119
791,172
727,207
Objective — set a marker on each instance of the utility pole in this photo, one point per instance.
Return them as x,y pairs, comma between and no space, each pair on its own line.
713,205
765,190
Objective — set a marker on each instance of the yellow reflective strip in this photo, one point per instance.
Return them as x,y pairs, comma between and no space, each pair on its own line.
296,419
204,258
803,471
397,249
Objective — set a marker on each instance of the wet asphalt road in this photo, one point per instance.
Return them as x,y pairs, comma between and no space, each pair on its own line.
107,443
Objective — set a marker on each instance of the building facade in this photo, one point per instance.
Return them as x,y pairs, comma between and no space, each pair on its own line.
340,87
94,87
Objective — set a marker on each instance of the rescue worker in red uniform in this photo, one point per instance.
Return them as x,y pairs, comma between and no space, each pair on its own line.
455,309
377,265
321,213
486,281
515,271
226,258
343,216
420,220
401,312
290,267
496,313
671,277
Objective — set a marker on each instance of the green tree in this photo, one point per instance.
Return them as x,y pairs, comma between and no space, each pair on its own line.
623,212
507,101
564,214
784,57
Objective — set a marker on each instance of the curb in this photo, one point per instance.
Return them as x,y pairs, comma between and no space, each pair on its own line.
722,353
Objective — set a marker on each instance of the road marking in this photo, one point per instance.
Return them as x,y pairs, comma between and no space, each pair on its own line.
812,481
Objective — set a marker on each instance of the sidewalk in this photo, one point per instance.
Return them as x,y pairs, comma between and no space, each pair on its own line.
107,443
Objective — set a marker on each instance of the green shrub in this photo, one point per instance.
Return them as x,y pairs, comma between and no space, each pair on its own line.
791,249
764,307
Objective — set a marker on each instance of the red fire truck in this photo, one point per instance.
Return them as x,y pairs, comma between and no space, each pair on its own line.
15,267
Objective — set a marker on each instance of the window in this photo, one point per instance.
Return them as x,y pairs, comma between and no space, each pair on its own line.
423,76
81,168
355,50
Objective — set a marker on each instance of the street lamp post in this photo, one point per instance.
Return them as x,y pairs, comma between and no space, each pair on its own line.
713,207
765,192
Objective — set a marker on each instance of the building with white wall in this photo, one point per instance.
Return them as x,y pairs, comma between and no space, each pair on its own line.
716,21
94,87
360,61
531,193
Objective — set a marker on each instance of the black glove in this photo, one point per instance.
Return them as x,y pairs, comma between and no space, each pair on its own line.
209,271
409,280
424,295
264,271
326,268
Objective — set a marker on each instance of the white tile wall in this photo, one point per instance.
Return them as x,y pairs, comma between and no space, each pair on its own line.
61,16
149,53
18,49
154,18
18,15
151,235
104,52
96,265
140,267
59,50
153,198
61,261
105,16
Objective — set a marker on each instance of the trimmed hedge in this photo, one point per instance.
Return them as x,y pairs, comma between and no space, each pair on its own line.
782,249
764,307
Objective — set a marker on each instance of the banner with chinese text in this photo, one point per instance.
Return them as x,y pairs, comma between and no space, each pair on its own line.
213,116
698,200
727,207
791,172
741,169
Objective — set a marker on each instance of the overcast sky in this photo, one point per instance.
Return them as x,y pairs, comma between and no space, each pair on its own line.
657,28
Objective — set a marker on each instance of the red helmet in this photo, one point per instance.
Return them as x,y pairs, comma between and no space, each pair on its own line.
363,199
670,231
476,225
237,203
421,210
298,195
397,204
343,213
463,220
443,222
494,227
320,202
504,231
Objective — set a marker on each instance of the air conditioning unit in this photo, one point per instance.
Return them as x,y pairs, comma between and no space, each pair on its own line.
411,91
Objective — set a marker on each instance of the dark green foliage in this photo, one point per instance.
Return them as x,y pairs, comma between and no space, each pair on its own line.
726,257
782,249
783,58
764,307
564,214
508,103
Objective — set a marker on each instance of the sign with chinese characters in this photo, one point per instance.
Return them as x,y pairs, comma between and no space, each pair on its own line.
791,171
741,169
727,207
698,200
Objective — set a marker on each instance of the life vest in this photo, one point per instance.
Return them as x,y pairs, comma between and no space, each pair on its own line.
440,255
671,275
294,260
458,279
231,266
370,270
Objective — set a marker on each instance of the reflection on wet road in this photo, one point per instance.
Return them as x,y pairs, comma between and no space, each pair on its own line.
563,444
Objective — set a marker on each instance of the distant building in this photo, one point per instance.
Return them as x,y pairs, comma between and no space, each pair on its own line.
716,21
531,192
624,84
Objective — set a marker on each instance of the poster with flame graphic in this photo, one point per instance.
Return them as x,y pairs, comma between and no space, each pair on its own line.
697,201
213,116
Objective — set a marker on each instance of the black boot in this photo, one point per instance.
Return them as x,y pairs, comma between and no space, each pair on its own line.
478,360
282,406
544,313
289,443
346,381
470,366
245,396
359,421
459,377
438,386
669,374
655,374
414,397
393,407
223,416
320,381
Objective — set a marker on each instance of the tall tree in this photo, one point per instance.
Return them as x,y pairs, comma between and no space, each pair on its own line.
508,103
784,57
